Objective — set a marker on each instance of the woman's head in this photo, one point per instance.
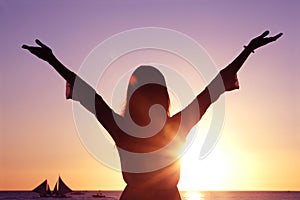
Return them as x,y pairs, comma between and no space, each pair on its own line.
147,87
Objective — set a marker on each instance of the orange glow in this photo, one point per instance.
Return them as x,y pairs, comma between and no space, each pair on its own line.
207,174
194,195
132,80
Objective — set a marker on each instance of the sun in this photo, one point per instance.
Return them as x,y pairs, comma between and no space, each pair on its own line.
207,174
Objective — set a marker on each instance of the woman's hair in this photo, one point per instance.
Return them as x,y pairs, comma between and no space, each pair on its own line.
147,86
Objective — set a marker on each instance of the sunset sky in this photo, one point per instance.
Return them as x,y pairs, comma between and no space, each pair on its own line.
259,148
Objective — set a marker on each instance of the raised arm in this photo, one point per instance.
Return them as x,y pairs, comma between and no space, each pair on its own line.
226,80
78,89
255,43
45,53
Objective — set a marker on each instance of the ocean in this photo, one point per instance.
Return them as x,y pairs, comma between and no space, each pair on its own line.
186,195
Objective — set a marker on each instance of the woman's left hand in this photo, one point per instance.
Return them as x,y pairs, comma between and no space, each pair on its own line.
42,51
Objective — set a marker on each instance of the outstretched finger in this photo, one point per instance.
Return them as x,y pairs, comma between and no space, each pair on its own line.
277,36
24,46
264,34
274,38
41,44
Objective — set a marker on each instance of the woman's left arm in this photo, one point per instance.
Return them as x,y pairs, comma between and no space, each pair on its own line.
78,90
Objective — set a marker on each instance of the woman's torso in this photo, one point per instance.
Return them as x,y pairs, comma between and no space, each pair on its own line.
151,166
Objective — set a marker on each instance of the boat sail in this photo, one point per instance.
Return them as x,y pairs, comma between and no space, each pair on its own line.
60,189
43,189
55,189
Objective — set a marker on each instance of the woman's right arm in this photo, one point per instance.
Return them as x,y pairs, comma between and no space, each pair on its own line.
226,80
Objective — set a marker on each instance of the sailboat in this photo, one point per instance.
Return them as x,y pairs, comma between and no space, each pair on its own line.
43,189
60,189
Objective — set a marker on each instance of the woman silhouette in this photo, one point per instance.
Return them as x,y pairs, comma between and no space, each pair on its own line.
146,90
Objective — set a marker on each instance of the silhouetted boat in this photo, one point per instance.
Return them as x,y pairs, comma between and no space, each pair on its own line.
55,189
43,189
99,195
60,189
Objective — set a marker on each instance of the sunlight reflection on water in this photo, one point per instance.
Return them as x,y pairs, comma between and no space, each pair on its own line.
193,195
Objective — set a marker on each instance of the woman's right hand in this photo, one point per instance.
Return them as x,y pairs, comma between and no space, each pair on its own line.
262,40
42,51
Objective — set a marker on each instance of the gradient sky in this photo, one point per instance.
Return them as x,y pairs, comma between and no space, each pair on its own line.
260,144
